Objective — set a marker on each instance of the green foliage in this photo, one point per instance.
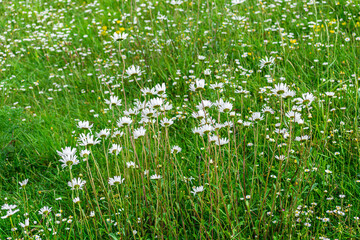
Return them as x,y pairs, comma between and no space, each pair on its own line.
58,64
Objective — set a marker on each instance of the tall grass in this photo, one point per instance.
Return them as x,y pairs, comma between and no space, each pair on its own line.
201,120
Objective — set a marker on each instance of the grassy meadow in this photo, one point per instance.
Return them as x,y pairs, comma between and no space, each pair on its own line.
179,119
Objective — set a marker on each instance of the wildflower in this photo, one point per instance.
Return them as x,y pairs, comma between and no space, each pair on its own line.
267,109
225,107
198,115
116,180
239,18
131,112
175,149
148,113
87,140
119,36
115,148
117,133
131,165
307,98
9,213
114,100
155,177
124,121
222,141
197,190
76,200
148,91
256,116
25,224
280,158
236,2
84,153
69,161
155,103
104,133
166,122
217,86
24,183
330,94
302,138
198,85
66,151
76,183
204,104
165,107
85,125
266,61
289,94
10,210
45,210
207,72
140,132
279,89
134,71
207,128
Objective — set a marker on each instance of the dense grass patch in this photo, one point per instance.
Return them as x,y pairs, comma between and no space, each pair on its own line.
179,119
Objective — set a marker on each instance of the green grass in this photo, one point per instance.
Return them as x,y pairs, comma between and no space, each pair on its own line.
58,64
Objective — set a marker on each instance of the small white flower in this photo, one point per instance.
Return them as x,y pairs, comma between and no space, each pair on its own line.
87,140
115,148
114,100
45,210
198,85
236,2
222,141
24,183
280,89
140,132
197,190
256,116
10,212
104,133
124,121
134,71
155,177
85,125
25,224
267,62
175,149
119,36
166,122
131,165
116,180
76,183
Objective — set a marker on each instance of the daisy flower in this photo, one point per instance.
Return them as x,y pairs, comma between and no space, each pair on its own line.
119,36
116,180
